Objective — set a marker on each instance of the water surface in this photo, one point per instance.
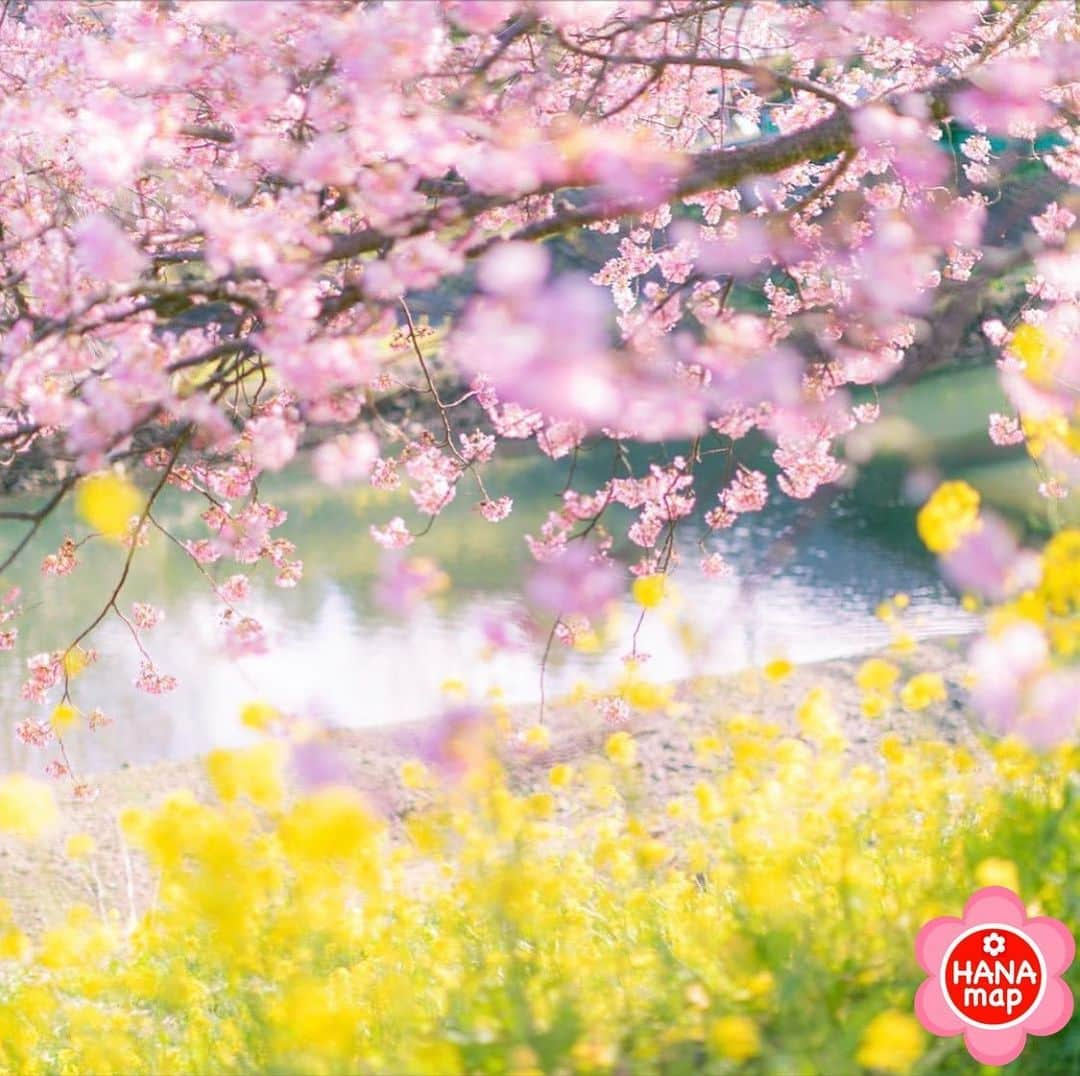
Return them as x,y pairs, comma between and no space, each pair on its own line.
807,581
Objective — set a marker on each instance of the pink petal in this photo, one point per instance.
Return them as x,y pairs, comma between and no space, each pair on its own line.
934,938
996,1047
1054,941
934,1012
995,904
1053,1012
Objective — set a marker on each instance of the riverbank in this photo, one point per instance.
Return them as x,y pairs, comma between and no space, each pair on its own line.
39,881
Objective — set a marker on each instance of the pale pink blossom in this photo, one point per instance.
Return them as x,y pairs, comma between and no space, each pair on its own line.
748,492
235,589
578,580
317,765
714,566
34,733
146,616
384,475
1005,430
1016,690
393,535
513,269
45,671
454,742
497,510
103,250
1053,224
345,459
98,719
1006,94
63,561
404,582
988,561
273,442
612,709
153,682
244,635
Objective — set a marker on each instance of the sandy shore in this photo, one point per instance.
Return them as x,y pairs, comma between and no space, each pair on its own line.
39,881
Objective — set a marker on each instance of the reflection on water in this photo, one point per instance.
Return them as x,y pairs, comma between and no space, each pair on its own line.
336,657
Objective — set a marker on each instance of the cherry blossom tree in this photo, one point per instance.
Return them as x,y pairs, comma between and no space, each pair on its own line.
220,224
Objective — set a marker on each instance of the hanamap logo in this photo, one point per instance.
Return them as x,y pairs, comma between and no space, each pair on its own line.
994,976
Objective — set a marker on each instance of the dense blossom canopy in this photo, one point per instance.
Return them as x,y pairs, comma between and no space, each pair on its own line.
220,220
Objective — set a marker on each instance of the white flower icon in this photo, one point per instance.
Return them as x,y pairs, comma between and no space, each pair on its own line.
993,944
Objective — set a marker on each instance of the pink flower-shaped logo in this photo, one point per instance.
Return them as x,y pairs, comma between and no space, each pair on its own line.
994,975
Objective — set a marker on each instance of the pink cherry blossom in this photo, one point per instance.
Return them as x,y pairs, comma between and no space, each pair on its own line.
104,250
146,616
345,459
497,510
153,682
988,561
394,535
1005,430
404,582
577,580
243,237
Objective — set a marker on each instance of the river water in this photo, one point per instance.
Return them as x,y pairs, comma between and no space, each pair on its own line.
805,586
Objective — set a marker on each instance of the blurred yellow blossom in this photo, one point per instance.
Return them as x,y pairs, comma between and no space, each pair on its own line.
1001,872
621,749
893,1042
27,807
80,845
649,590
107,502
778,669
63,717
950,513
923,690
735,1038
878,675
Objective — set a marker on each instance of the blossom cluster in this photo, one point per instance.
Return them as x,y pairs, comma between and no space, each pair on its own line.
226,215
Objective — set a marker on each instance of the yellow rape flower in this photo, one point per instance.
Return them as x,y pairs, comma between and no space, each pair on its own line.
258,715
950,513
817,719
413,773
649,590
621,749
107,501
874,705
74,661
254,773
877,675
1001,872
778,669
560,776
64,715
1040,352
537,736
735,1038
922,691
27,807
893,1042
80,846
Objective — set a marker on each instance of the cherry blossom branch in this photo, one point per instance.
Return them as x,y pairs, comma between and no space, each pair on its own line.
758,72
36,519
128,559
